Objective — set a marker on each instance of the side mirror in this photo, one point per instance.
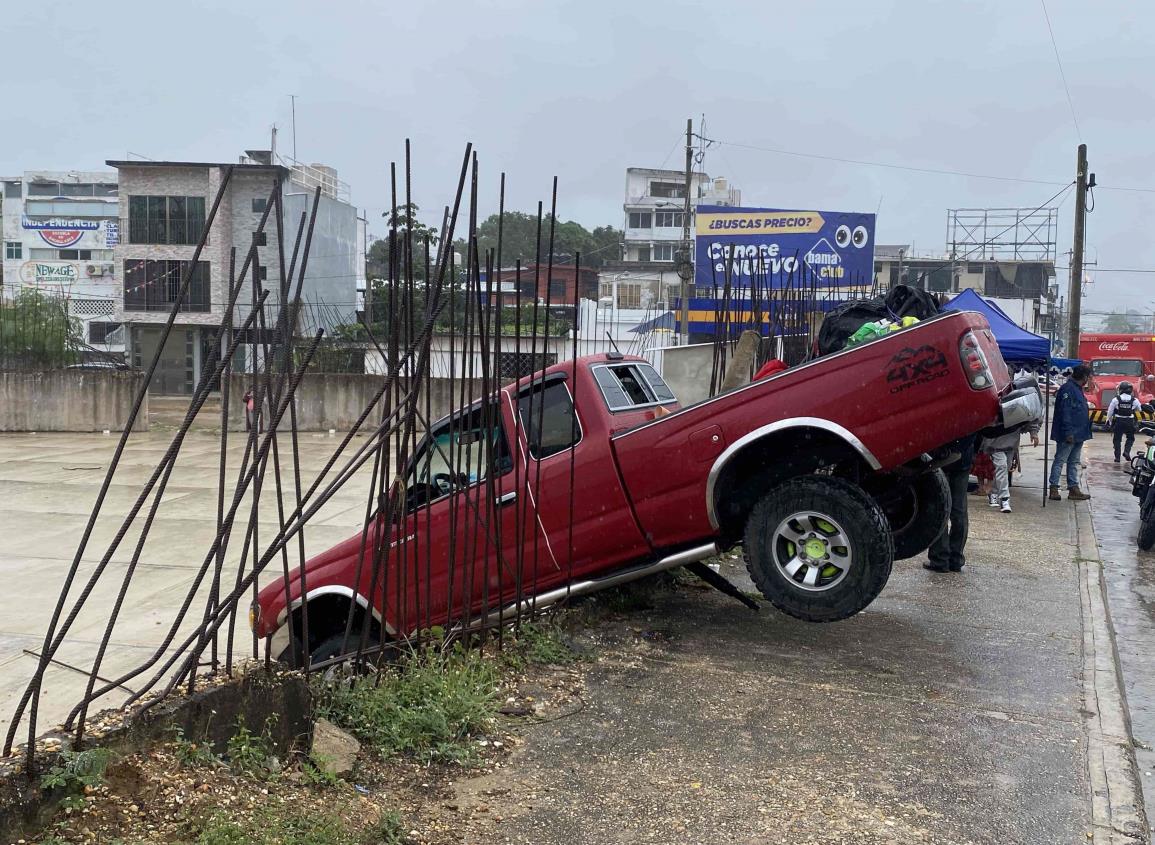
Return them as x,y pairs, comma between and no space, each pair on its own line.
1149,378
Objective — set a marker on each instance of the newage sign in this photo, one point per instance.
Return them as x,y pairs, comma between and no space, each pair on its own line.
766,246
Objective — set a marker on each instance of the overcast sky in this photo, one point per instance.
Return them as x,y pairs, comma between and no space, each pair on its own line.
583,90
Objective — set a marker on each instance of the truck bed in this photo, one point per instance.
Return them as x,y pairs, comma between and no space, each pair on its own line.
892,399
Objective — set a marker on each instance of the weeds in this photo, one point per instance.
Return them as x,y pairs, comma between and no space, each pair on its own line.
539,644
75,770
282,826
391,829
316,774
427,707
193,754
252,754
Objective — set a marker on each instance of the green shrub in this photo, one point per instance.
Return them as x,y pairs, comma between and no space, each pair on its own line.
428,707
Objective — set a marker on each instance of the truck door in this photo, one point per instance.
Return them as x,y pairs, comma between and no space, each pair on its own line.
573,501
442,564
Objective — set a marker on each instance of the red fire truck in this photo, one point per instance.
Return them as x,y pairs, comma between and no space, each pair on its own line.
1115,358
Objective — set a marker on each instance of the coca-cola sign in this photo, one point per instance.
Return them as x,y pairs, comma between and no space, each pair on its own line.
1114,346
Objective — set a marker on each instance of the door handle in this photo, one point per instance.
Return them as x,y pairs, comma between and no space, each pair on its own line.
506,498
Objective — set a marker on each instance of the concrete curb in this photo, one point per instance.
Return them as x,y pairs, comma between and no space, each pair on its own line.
1117,812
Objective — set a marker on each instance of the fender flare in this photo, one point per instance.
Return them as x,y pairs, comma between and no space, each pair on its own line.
841,432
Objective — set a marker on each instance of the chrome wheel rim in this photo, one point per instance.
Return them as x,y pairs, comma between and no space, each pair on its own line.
812,551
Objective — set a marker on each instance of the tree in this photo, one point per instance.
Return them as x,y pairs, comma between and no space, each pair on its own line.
37,332
519,241
1123,323
377,262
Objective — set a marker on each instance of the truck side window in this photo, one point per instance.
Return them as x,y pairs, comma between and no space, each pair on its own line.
626,386
457,453
548,417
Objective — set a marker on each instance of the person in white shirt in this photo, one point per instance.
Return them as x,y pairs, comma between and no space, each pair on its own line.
1121,419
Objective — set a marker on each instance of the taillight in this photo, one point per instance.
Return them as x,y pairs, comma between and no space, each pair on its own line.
974,362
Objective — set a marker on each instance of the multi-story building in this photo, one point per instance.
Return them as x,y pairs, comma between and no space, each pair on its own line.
1023,286
654,208
60,233
164,210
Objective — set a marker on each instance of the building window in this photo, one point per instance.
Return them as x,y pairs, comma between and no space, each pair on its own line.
630,296
975,267
13,249
669,219
44,189
260,238
43,254
165,220
13,190
643,253
154,285
99,332
106,190
672,190
76,255
548,419
663,252
640,220
259,204
76,189
514,365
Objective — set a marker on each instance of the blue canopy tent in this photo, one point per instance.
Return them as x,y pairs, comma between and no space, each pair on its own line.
663,322
1017,345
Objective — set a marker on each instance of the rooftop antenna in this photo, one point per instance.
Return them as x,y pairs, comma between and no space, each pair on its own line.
293,101
616,355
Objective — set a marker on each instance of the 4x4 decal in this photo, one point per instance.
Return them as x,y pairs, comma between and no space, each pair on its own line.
914,366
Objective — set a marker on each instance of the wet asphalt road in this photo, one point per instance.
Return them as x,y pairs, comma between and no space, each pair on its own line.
1130,579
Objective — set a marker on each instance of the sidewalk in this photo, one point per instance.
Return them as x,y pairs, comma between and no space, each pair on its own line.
952,710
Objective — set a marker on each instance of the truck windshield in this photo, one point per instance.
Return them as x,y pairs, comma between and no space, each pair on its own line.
1116,367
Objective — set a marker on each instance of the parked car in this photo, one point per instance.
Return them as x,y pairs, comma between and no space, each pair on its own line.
826,473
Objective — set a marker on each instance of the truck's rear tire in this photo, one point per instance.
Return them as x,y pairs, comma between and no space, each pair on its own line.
917,510
818,548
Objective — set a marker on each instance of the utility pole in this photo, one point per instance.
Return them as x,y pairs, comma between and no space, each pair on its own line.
685,256
1075,291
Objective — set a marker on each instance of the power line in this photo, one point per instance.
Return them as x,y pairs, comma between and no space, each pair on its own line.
889,165
937,171
1062,74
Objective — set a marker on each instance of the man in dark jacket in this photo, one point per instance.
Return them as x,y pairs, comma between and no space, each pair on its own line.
1071,429
946,552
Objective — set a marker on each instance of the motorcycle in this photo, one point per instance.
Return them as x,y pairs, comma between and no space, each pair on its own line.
1143,488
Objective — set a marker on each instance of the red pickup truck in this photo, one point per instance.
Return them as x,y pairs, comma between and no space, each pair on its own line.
826,473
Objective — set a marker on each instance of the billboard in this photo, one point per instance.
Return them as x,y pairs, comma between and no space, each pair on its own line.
765,247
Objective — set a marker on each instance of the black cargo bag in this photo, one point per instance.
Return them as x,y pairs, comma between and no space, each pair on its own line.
900,301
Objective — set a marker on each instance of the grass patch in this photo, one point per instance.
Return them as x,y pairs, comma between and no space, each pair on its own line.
285,826
539,643
428,707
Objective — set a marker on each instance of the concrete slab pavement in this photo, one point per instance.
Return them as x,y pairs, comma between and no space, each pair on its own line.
48,483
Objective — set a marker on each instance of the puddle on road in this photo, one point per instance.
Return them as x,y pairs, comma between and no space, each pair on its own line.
1130,578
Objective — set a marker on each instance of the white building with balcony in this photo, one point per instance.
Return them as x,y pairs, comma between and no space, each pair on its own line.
654,209
60,231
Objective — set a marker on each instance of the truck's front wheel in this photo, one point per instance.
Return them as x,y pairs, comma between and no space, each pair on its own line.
819,548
